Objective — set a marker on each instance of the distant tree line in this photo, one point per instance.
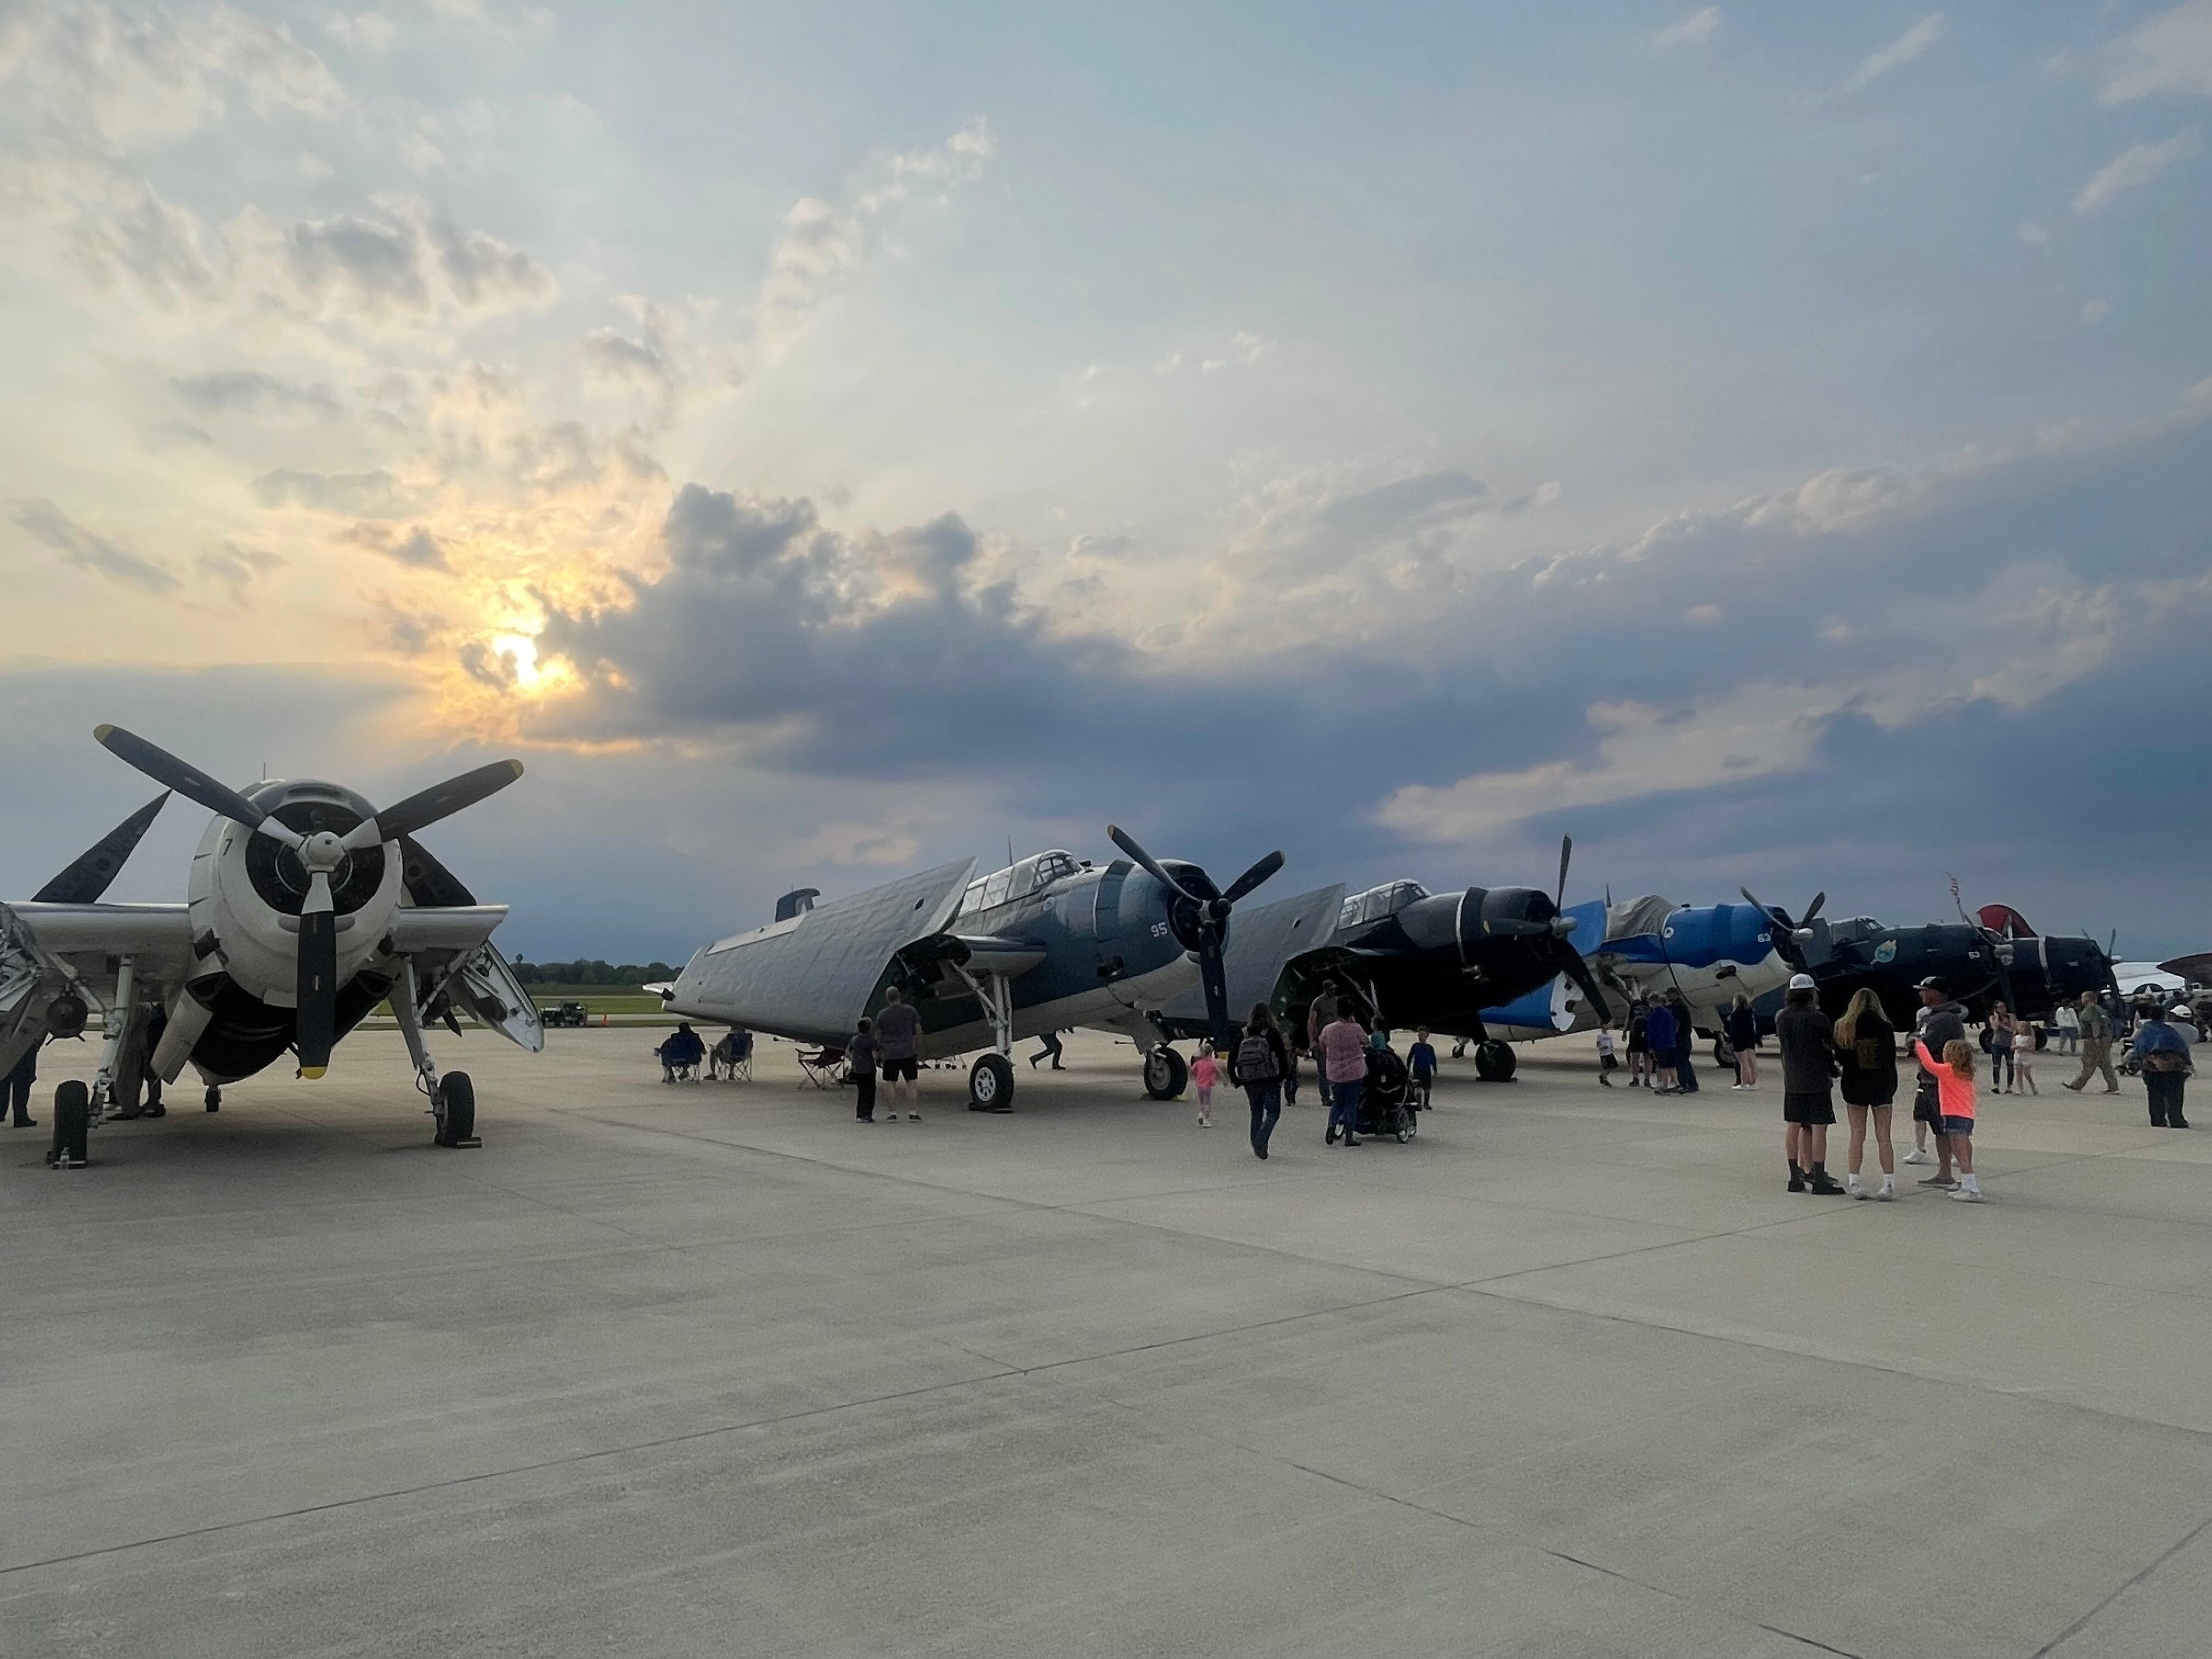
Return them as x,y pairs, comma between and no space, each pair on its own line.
594,972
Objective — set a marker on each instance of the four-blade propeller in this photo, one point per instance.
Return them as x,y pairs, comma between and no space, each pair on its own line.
1209,916
319,854
1799,934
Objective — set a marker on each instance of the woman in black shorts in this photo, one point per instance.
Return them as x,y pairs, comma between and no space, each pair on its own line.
1866,1048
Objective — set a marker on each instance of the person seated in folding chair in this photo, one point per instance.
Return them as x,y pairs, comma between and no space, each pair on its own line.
680,1053
733,1057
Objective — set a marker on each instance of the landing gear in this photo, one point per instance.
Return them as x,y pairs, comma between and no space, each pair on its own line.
1724,1056
214,1098
454,1104
991,1084
72,1122
1165,1073
453,1096
1495,1061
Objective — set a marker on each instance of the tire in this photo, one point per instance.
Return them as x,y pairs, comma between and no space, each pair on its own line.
72,1123
457,1109
991,1084
1166,1072
1724,1056
1495,1061
214,1100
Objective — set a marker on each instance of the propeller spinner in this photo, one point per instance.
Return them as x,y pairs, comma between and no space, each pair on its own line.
319,854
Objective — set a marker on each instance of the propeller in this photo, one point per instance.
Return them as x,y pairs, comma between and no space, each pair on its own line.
1799,932
316,986
1566,852
1563,925
1211,915
92,871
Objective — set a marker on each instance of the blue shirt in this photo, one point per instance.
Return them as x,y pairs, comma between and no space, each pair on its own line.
2156,1036
1659,1029
1422,1058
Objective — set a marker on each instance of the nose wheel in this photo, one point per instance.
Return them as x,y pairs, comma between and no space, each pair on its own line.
214,1100
1165,1073
454,1105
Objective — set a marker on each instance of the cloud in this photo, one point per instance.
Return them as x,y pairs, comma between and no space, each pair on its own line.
1903,50
238,568
417,549
100,555
1692,31
1411,503
2171,52
113,82
367,33
375,494
250,391
820,243
2093,311
2134,166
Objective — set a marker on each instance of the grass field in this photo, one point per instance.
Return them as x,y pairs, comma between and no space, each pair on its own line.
598,999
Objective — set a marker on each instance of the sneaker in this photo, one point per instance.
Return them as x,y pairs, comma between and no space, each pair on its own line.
1967,1194
1944,1182
1824,1186
1329,1139
913,1117
2178,1123
1918,1155
1886,1195
1352,1140
1856,1187
1797,1184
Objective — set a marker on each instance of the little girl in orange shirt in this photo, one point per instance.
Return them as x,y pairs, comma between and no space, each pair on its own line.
1955,1100
1203,1071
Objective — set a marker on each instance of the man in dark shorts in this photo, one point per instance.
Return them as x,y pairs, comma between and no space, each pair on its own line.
1940,1021
898,1032
1809,1069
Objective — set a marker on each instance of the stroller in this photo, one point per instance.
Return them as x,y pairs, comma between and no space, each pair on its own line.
1387,1105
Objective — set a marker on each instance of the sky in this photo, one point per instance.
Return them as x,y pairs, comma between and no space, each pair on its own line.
1773,445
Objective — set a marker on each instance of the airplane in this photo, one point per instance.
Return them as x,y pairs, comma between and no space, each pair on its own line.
1860,950
1711,953
307,907
1406,955
2038,971
1043,944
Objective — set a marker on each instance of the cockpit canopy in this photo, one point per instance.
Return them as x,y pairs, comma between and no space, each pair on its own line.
1017,880
1377,903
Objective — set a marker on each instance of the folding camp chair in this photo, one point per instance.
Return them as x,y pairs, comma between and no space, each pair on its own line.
823,1066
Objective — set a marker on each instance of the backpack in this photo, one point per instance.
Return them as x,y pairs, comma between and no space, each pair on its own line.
1256,1060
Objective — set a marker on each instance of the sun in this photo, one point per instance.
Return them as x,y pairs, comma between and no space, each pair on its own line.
521,649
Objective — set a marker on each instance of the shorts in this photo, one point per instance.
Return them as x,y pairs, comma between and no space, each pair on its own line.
1955,1125
901,1066
1807,1106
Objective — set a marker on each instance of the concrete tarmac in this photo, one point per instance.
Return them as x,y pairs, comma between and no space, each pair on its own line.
713,1369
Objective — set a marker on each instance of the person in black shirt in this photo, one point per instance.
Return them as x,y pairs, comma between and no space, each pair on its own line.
1808,1066
861,1055
1942,1021
1866,1047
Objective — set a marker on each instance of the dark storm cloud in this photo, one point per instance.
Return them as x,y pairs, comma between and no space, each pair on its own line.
103,556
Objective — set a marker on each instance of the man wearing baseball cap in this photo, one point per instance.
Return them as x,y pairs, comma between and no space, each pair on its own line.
1940,1021
1808,1067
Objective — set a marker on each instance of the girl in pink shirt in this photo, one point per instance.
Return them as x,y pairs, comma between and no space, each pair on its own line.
1955,1100
1203,1071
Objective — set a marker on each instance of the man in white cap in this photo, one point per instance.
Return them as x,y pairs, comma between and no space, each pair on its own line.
1809,1069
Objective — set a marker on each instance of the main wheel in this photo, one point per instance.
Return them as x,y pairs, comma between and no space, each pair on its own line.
1495,1061
72,1123
457,1110
1165,1073
991,1084
214,1100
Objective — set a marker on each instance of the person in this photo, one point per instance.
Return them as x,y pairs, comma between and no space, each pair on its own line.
722,1058
1421,1067
898,1038
1808,1070
1954,1073
1940,1022
1343,1051
1318,1016
2095,1024
1047,1048
1378,1036
1259,1067
1659,1033
678,1050
2023,1060
1606,1062
15,1090
1685,1043
1866,1049
2005,1030
2160,1054
1639,1045
1203,1070
861,1055
2070,1029
1742,1029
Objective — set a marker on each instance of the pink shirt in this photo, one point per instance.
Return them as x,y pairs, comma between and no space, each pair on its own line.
1344,1049
1203,1070
1954,1095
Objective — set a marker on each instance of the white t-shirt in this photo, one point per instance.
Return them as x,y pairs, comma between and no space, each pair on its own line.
2067,1019
1605,1044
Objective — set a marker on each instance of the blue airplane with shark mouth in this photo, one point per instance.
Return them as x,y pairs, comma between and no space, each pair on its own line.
1711,952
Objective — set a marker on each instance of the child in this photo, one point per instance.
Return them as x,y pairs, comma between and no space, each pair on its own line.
861,1055
1605,1061
1203,1071
1421,1066
1640,1047
2023,1060
1954,1085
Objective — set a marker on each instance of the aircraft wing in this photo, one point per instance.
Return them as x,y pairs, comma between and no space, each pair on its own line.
811,975
2196,970
158,937
1262,941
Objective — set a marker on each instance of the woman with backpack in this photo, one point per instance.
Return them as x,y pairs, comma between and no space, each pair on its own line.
1261,1062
